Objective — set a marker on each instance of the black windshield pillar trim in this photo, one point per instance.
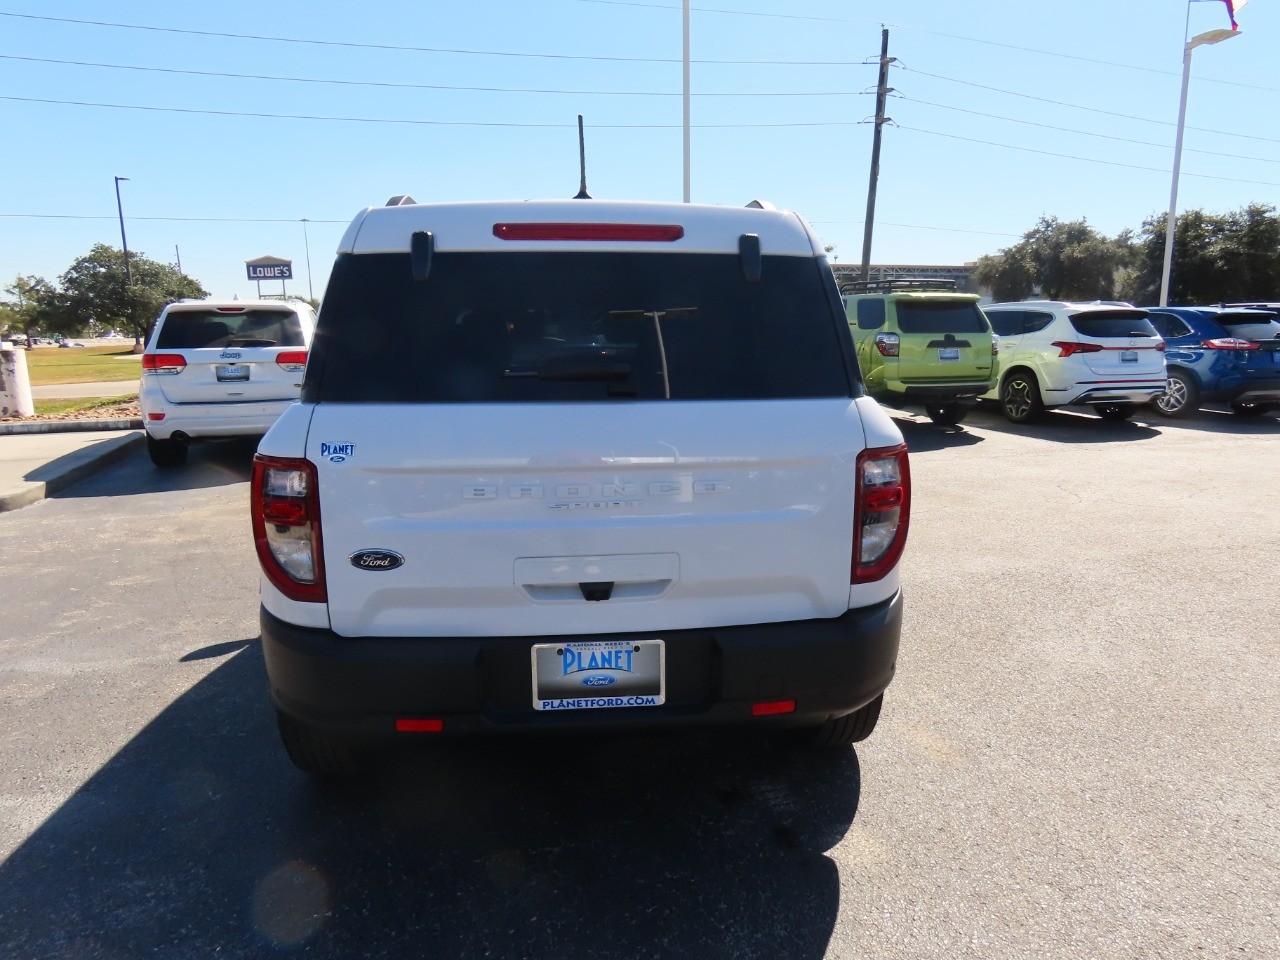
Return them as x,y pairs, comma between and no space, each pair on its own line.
422,246
749,254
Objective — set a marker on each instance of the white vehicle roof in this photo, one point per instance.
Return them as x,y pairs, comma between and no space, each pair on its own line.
292,303
470,227
1068,307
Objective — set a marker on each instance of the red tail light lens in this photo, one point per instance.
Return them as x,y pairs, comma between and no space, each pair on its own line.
881,513
773,708
1161,346
888,344
285,503
1070,348
1231,343
664,232
295,361
164,362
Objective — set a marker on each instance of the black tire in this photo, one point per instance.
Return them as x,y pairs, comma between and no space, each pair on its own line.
946,414
313,752
1181,395
166,453
1116,412
1252,409
1020,397
852,728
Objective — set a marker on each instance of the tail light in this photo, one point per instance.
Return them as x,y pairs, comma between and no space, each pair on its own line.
285,502
1069,348
887,344
657,232
294,361
995,344
1231,343
881,513
164,362
1161,346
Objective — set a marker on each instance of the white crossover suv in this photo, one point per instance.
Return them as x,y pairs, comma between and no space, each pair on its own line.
578,465
1104,356
221,368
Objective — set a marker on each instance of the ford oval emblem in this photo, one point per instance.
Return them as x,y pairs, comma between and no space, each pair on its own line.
598,680
375,559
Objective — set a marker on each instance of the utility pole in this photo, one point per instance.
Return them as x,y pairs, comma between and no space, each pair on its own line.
177,253
882,94
123,242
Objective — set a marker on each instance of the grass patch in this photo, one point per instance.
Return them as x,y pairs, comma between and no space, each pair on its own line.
49,408
83,364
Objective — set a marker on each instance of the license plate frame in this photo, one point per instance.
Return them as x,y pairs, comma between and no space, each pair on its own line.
598,674
949,355
232,372
1128,356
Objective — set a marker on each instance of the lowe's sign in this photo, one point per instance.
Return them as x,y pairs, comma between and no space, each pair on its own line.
269,268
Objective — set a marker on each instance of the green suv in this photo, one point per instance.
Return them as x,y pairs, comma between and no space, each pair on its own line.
921,341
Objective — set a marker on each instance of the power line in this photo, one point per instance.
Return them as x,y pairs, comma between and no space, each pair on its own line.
411,49
1068,156
85,216
1077,106
915,226
426,86
1085,133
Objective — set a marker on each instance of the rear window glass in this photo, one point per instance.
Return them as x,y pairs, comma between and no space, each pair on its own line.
1250,328
1117,324
870,314
556,327
940,316
194,329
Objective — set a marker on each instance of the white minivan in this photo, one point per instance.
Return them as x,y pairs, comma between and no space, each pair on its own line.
578,465
221,368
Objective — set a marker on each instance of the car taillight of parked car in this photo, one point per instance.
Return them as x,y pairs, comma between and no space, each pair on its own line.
995,344
294,361
881,513
887,344
1231,343
163,362
1069,348
285,503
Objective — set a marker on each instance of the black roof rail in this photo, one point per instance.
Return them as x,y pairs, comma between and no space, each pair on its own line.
901,283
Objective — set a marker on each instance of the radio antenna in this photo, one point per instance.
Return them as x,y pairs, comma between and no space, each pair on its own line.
582,162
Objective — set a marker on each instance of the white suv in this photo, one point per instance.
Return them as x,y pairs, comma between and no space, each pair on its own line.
221,368
1054,354
578,465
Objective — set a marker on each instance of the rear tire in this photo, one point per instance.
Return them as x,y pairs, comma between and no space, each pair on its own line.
1116,412
314,752
1181,395
852,728
1020,397
166,453
946,414
1252,409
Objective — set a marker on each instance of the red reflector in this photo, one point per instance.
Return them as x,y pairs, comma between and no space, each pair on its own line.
772,708
155,416
588,231
417,725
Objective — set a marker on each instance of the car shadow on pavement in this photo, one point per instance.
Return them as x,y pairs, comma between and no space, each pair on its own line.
213,464
924,436
1225,421
199,839
1062,426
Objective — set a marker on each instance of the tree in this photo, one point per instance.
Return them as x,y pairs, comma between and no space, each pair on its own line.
1065,260
94,288
30,308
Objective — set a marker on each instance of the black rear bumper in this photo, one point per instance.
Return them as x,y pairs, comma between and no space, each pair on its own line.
356,688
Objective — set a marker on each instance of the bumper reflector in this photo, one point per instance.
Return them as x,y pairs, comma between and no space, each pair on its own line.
772,708
418,725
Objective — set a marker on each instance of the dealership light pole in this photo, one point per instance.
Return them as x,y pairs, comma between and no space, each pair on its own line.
686,102
1209,36
123,242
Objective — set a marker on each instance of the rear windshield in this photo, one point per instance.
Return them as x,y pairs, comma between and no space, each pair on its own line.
194,329
555,327
1113,324
1250,326
940,316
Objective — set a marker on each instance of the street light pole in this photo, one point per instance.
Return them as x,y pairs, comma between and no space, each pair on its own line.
123,242
1209,36
311,294
687,178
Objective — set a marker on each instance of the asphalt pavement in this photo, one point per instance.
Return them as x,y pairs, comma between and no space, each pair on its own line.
34,465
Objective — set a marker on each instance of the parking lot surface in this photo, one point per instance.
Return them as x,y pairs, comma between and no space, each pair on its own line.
1077,759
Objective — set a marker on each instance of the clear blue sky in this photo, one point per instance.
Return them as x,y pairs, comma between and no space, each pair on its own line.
779,93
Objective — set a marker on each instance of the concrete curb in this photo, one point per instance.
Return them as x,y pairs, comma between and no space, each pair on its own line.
70,469
68,426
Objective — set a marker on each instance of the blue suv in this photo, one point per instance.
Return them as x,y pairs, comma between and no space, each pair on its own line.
1219,354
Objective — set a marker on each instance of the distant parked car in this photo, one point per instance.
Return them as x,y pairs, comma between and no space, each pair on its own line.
1054,353
223,368
68,343
1219,354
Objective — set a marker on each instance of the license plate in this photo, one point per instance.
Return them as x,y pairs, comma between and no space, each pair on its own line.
227,372
593,674
1128,356
949,353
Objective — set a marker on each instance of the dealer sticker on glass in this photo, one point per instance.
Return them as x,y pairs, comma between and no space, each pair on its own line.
588,675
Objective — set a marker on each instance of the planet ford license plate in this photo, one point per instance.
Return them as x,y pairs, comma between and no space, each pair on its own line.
587,675
228,372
